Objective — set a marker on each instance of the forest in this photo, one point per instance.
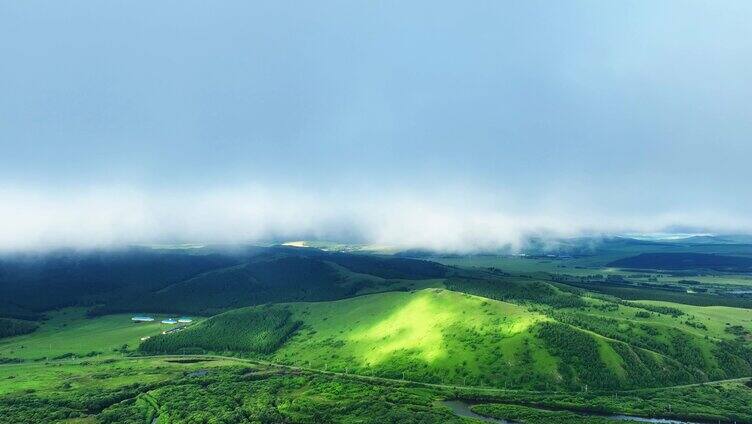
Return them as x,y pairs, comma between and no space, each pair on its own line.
260,330
14,327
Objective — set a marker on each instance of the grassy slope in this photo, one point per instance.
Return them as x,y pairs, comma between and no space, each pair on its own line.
715,318
430,335
69,331
448,337
701,327
441,336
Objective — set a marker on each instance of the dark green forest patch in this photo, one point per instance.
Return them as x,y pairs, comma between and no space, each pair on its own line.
516,289
255,330
684,261
14,327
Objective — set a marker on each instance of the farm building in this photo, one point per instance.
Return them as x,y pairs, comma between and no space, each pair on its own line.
169,321
142,319
185,320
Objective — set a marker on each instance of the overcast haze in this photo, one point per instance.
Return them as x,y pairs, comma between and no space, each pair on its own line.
452,125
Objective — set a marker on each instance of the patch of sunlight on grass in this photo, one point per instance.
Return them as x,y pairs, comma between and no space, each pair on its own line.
520,324
418,326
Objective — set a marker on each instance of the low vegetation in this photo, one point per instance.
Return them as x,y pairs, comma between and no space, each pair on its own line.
526,415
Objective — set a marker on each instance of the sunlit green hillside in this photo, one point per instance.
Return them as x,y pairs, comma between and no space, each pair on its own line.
432,335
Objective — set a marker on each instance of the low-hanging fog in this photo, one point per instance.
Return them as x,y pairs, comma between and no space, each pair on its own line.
450,220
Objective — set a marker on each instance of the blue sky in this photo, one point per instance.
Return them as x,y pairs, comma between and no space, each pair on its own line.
524,116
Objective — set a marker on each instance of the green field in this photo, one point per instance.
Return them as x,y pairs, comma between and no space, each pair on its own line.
70,331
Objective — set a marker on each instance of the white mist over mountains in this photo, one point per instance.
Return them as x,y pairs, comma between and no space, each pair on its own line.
449,221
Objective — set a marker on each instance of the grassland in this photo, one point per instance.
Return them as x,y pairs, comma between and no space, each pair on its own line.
69,331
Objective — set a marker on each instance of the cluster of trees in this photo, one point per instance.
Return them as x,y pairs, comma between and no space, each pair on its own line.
696,324
738,331
29,407
735,357
14,327
681,358
528,415
644,368
130,411
256,330
726,359
640,335
659,309
581,364
516,289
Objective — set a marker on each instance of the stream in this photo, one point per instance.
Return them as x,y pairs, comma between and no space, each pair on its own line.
462,409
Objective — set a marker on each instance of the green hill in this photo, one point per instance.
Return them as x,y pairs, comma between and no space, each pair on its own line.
430,335
446,337
204,281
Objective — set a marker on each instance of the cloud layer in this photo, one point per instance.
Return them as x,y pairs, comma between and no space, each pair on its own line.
449,125
447,220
